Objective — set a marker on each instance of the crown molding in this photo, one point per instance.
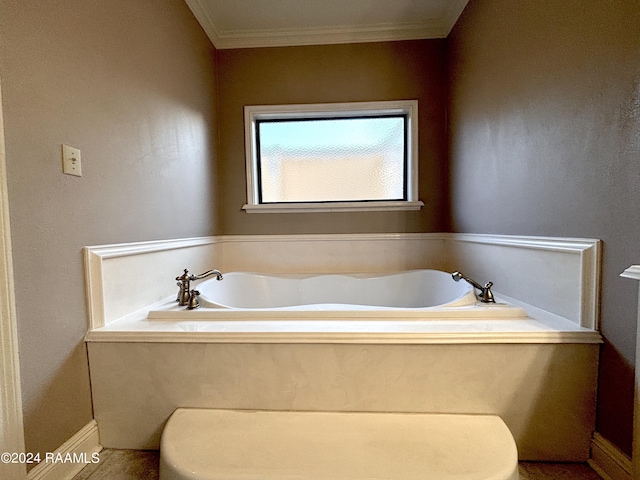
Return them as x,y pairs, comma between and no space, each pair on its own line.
201,12
279,37
454,10
326,36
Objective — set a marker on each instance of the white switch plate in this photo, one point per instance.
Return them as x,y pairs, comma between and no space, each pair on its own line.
71,161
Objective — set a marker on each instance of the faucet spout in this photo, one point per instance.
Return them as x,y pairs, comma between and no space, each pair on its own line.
457,276
206,274
485,295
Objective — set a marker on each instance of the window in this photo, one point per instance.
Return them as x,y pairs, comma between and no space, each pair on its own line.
332,157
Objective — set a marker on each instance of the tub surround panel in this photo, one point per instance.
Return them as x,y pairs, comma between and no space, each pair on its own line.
556,275
360,253
123,278
544,393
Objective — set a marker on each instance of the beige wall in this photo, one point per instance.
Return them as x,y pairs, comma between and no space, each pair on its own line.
335,73
545,140
130,83
544,120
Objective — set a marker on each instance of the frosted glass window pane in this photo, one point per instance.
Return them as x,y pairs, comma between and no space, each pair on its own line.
345,159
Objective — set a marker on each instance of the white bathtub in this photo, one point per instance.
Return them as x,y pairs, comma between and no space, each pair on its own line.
411,289
411,295
481,359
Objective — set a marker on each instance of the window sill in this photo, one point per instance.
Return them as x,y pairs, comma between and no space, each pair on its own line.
333,207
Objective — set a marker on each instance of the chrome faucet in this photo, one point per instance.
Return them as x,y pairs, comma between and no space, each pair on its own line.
185,293
485,295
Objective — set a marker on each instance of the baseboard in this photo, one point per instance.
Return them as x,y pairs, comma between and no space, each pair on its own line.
608,460
72,456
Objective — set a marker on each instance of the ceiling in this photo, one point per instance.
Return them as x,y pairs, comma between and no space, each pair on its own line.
270,23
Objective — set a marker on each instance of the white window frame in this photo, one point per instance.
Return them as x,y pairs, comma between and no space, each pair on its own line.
329,110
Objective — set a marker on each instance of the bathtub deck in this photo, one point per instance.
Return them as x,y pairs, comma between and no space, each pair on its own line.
166,323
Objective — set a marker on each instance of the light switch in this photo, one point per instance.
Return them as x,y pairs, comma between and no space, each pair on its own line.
71,161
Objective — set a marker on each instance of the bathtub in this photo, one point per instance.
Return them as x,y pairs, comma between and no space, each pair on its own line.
415,294
412,289
448,354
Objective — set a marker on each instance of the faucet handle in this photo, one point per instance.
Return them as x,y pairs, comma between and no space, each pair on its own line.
487,294
184,276
193,300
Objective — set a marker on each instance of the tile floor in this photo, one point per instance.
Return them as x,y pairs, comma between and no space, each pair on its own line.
135,464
